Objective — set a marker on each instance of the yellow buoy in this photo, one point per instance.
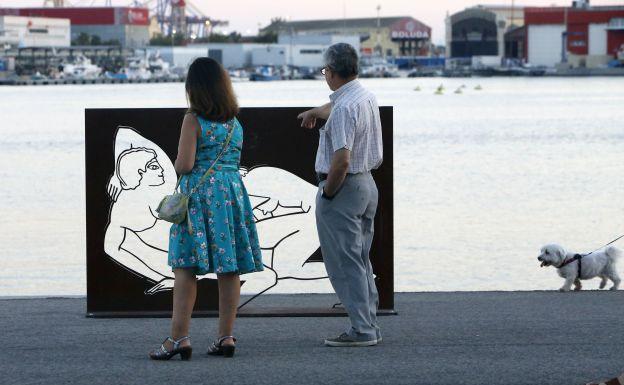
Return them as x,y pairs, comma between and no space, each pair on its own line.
417,88
478,87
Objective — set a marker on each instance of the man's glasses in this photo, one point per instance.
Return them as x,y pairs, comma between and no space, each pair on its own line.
323,70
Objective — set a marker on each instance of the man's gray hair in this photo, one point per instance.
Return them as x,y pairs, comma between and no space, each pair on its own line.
342,59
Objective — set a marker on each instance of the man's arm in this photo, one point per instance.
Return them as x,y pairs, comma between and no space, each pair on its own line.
308,118
323,111
337,172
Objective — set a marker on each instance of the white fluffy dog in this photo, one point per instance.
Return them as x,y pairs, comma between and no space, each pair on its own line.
600,263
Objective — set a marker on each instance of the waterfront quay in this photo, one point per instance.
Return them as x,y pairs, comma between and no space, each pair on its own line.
479,338
100,80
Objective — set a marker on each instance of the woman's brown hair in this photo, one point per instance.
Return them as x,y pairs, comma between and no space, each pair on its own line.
209,91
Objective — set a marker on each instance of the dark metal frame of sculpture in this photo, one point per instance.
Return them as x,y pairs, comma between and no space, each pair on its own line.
272,137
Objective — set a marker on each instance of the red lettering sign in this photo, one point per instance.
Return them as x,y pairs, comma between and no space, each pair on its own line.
409,29
134,16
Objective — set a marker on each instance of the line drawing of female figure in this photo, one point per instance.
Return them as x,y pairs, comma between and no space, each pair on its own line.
283,207
135,237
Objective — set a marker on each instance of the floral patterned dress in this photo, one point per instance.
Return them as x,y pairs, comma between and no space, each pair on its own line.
224,237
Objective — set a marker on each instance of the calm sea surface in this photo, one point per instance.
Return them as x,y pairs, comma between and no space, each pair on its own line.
482,178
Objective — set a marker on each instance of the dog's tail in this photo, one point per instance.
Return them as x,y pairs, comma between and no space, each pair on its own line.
613,252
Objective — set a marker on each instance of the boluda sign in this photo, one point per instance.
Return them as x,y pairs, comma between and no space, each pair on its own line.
409,29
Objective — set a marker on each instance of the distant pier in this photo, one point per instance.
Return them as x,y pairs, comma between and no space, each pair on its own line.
47,82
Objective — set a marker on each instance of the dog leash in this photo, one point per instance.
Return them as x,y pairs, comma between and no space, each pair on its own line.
613,241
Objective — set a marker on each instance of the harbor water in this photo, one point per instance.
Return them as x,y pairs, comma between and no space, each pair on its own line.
482,178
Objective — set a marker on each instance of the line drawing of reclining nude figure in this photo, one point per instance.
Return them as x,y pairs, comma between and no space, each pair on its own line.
284,212
283,208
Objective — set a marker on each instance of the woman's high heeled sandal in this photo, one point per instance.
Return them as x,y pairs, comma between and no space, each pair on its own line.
218,349
162,353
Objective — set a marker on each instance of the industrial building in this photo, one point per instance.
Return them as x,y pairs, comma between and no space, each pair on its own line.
244,55
480,31
23,31
511,15
230,55
578,36
383,36
127,25
318,39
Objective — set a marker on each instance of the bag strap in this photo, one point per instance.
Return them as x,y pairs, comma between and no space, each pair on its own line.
209,171
178,183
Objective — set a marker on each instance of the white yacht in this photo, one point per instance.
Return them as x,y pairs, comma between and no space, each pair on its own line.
158,67
138,69
81,68
379,68
238,75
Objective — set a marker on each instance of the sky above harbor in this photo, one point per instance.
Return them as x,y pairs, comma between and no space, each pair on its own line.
246,16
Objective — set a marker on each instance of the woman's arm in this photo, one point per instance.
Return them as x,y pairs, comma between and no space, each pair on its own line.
188,145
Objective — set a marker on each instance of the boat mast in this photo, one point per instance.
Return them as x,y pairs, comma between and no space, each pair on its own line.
379,31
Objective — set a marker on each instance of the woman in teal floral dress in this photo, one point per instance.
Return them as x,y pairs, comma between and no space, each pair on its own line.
224,238
222,235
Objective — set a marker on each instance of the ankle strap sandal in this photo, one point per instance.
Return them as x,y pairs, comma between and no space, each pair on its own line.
162,353
218,349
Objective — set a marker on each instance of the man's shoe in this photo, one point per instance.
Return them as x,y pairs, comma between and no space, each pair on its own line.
344,340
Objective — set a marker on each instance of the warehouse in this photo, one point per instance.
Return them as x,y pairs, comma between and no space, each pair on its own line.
22,31
480,30
235,55
123,25
383,36
578,36
474,32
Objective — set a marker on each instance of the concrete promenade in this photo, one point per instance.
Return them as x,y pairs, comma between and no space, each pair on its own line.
437,338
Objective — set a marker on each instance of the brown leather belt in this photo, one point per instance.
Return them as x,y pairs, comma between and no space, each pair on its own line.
321,176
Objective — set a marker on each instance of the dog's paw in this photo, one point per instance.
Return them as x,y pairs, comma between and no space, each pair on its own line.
613,288
578,288
603,285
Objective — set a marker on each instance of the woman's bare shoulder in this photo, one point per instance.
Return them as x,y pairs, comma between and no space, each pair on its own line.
191,122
